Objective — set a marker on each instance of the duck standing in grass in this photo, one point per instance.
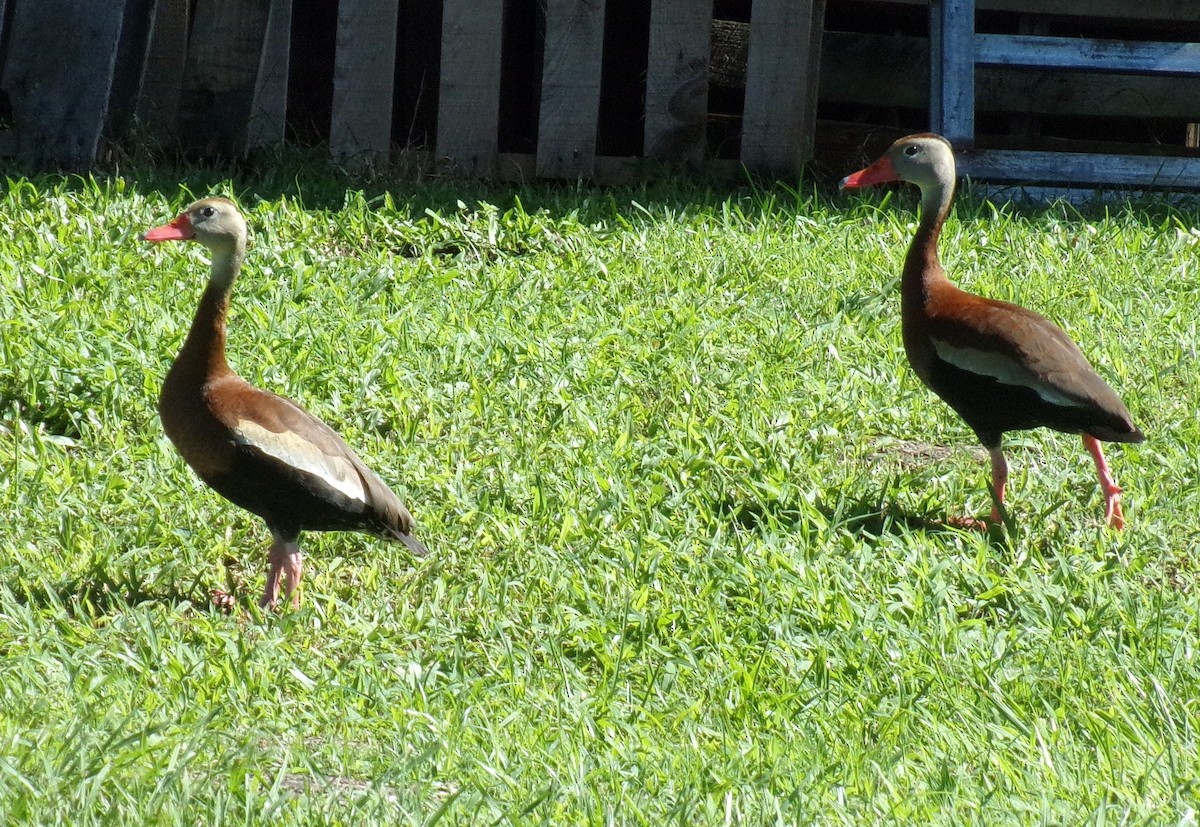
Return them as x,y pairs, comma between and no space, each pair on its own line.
256,449
1000,366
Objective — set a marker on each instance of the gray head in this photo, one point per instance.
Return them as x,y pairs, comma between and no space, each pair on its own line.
214,222
926,160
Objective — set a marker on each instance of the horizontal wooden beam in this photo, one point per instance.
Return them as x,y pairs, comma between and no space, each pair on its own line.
1082,168
893,70
1035,52
1183,11
615,169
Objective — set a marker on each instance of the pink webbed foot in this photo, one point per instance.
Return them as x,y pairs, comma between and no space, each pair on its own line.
1114,517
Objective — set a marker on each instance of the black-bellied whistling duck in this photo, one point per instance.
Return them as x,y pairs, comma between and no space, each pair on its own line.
256,449
1000,366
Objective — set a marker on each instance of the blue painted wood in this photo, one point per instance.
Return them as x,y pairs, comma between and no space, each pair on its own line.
955,50
952,70
1169,172
1083,54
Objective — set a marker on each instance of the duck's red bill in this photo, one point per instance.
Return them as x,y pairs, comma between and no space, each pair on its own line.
178,230
879,172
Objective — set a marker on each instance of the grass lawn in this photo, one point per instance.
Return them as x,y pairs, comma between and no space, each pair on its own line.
681,492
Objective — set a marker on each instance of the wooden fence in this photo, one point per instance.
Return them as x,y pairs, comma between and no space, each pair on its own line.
217,76
596,89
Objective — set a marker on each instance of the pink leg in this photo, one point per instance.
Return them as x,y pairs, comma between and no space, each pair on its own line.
1108,486
999,479
286,564
292,570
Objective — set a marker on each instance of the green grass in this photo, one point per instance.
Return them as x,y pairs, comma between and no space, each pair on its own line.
681,492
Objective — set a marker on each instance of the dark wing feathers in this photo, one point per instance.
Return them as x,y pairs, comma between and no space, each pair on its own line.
1017,346
280,433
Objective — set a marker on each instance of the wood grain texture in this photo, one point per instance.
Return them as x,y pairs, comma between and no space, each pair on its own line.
952,70
360,131
224,54
1085,54
677,80
127,70
469,98
570,105
60,104
157,108
867,69
1186,11
268,113
1082,168
779,85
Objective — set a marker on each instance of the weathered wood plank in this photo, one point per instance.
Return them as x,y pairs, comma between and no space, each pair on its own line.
609,169
469,98
893,70
128,67
59,104
1086,54
1081,168
952,69
677,80
816,45
268,113
224,54
778,85
157,108
570,106
1184,11
360,130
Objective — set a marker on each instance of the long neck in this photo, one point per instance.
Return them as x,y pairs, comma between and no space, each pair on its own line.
922,266
203,351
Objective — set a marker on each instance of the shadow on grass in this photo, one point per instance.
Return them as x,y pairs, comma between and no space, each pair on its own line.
864,517
98,592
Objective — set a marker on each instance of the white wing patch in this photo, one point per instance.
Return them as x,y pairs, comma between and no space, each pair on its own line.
298,452
1001,368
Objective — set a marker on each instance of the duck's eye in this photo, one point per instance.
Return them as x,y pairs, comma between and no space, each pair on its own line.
912,150
208,212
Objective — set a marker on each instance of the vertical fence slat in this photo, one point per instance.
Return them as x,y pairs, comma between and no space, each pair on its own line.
58,75
224,53
816,38
157,109
268,115
677,79
364,80
570,107
778,84
469,94
952,69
